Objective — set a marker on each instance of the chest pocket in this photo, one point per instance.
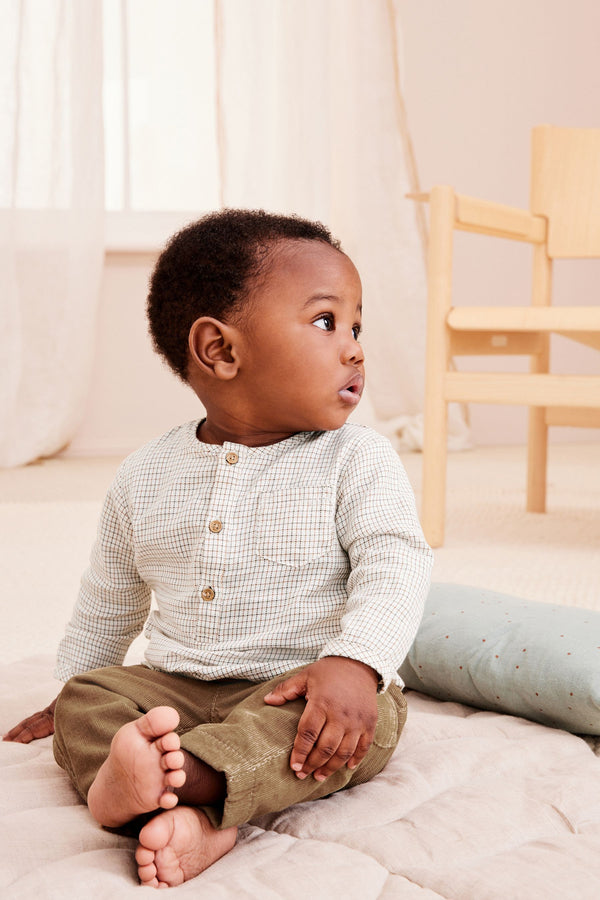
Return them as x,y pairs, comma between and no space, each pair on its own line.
295,526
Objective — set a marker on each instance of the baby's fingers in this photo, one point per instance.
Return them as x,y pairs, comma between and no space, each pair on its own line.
31,729
309,733
290,689
351,751
362,748
13,733
34,727
341,757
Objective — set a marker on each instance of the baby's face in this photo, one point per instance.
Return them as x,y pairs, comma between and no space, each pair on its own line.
303,367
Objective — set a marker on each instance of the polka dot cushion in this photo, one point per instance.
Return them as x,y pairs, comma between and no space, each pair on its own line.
498,652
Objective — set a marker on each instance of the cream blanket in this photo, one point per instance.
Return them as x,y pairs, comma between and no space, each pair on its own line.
472,806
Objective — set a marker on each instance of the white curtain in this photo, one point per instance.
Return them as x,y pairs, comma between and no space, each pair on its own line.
312,121
51,219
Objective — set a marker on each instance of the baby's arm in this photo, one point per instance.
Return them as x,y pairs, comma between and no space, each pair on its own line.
338,722
113,600
390,562
110,611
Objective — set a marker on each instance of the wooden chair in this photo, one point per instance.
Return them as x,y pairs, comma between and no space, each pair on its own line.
563,222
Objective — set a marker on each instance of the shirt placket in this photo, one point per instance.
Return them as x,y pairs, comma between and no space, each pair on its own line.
219,540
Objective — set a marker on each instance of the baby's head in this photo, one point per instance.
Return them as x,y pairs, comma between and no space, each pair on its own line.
211,268
260,314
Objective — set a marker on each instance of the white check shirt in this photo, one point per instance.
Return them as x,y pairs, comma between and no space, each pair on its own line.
261,559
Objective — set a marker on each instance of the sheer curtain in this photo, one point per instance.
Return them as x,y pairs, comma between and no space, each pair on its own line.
51,219
312,121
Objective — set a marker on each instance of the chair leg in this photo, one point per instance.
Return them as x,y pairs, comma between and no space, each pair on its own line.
537,440
435,441
537,460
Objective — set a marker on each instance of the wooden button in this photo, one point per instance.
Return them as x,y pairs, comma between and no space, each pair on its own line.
231,458
215,526
208,594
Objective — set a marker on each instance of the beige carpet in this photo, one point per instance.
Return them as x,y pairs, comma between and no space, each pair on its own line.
48,515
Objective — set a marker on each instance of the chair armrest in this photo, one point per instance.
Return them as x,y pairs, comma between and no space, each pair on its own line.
494,219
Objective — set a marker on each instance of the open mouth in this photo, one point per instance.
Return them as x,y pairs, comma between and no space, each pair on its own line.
352,391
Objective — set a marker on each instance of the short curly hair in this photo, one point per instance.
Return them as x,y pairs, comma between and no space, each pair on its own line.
209,269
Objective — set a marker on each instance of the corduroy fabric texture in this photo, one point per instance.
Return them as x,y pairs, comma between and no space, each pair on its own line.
224,723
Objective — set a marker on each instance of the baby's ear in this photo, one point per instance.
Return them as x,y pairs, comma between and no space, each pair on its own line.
212,348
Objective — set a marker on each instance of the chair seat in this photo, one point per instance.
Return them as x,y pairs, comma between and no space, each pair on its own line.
525,318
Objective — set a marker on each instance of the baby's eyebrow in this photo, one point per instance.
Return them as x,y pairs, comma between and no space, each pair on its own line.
317,298
332,298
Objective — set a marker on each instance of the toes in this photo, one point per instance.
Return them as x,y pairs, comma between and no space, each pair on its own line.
147,875
172,760
168,742
158,722
147,871
175,778
156,834
168,800
144,856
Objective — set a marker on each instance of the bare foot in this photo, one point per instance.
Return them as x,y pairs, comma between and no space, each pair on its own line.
179,844
145,763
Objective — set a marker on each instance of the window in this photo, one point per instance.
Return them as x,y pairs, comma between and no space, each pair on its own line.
160,115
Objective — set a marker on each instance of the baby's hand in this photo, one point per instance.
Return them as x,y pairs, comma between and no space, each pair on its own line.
338,722
39,725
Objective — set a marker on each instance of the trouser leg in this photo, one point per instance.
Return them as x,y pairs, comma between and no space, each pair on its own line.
226,724
93,706
252,746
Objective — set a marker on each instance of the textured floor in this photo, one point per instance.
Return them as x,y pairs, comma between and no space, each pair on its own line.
49,511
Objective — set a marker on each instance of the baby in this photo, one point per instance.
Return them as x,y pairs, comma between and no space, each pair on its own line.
283,549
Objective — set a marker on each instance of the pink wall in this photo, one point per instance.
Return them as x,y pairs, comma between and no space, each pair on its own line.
478,74
133,397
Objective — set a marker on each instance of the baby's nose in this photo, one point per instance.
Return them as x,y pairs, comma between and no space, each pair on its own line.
353,352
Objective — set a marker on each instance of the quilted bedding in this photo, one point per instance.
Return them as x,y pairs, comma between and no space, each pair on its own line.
473,805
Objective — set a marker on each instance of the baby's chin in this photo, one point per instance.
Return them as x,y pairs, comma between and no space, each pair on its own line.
331,423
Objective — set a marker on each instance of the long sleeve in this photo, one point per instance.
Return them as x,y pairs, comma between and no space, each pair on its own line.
391,563
113,600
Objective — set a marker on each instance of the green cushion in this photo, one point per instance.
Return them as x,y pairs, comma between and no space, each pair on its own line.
498,652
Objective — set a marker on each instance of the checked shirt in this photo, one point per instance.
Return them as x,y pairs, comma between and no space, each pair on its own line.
260,559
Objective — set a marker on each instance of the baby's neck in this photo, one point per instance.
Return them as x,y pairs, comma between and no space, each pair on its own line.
241,433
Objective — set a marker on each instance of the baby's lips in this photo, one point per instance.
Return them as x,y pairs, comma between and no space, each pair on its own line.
355,385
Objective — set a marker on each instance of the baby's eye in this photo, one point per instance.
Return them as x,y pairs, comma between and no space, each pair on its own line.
356,330
326,322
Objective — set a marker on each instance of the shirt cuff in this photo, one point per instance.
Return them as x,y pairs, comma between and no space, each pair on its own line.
387,675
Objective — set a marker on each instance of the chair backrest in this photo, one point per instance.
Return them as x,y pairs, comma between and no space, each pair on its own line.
565,187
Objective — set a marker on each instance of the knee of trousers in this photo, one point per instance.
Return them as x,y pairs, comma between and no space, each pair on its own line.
82,730
68,700
71,706
64,738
